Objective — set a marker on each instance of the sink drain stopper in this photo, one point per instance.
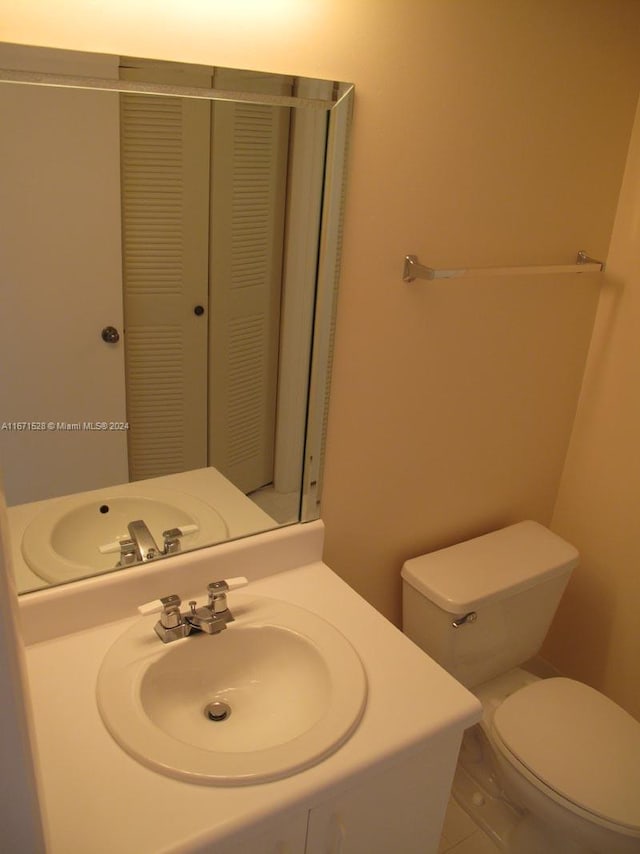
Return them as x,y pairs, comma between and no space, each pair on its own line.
217,711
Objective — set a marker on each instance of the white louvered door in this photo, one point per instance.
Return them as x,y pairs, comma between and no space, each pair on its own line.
204,192
165,172
249,159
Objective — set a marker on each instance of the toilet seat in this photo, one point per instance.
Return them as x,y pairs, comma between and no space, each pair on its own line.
577,745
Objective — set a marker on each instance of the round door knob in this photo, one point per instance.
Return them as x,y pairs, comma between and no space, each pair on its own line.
110,334
198,310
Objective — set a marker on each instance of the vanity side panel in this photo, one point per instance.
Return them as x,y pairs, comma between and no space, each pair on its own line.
20,819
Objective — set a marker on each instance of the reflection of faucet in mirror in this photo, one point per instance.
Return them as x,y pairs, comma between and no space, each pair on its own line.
140,546
115,243
145,546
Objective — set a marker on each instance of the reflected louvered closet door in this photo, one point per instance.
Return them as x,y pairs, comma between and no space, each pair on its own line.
165,209
249,158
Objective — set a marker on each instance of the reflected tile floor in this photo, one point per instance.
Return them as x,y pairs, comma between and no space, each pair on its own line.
461,835
283,507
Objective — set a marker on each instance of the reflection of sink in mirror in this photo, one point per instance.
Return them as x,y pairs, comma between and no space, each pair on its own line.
286,689
60,539
80,533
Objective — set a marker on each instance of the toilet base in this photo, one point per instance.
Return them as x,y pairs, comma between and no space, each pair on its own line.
476,788
487,809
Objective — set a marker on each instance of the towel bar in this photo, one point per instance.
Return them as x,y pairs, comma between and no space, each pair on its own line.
414,270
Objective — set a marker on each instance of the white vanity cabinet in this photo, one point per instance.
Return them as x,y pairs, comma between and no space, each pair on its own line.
285,836
398,808
385,789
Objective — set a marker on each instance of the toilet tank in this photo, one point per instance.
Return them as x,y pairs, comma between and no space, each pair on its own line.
507,584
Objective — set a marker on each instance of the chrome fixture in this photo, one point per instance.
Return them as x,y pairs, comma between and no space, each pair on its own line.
172,540
145,546
210,618
412,269
140,547
471,617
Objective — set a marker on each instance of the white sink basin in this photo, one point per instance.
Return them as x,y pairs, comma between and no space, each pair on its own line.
292,687
64,540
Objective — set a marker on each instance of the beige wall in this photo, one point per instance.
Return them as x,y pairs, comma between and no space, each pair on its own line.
453,402
486,132
595,637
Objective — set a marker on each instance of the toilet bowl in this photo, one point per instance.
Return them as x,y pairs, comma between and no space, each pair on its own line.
567,758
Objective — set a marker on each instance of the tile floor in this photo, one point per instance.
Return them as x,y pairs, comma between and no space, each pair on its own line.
461,835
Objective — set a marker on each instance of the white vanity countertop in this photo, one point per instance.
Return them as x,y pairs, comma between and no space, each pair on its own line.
99,799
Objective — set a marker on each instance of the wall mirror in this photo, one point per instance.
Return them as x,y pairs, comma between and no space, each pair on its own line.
171,242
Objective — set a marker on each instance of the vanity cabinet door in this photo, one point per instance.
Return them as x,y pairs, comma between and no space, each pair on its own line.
285,836
399,809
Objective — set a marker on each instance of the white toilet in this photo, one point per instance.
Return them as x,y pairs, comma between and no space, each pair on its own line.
565,759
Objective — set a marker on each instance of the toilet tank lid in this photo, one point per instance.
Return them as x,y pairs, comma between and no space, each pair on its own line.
464,576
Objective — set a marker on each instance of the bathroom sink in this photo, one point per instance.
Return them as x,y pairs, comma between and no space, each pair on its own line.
277,691
65,539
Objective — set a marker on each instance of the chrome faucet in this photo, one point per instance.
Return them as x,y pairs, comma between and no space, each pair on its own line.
210,618
145,546
140,546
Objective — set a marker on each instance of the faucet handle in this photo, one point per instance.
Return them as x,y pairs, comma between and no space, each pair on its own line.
237,581
226,584
168,606
172,537
153,607
218,591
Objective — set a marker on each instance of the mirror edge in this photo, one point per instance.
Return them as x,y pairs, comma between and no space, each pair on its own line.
329,266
